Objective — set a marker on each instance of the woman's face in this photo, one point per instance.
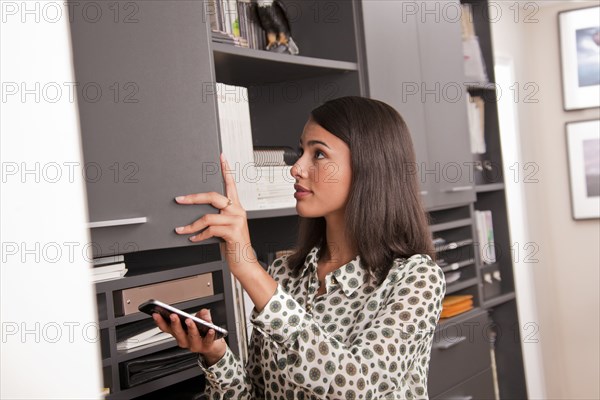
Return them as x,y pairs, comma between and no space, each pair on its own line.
324,169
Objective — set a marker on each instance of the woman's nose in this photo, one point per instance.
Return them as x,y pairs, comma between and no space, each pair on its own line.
297,170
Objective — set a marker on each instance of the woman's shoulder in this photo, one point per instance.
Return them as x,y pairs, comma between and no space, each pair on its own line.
279,266
417,266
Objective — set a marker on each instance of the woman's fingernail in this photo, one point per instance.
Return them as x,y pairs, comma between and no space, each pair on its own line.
193,237
173,317
188,322
179,229
180,198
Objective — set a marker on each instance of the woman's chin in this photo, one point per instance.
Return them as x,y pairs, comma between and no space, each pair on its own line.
305,212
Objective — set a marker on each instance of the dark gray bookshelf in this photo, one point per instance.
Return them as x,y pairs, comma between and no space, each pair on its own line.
172,59
434,55
169,55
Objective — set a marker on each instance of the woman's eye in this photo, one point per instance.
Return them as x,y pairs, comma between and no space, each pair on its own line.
317,152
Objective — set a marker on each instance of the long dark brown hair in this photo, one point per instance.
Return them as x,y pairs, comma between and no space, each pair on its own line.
384,215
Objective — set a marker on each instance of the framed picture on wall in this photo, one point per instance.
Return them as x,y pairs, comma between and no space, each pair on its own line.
580,57
583,148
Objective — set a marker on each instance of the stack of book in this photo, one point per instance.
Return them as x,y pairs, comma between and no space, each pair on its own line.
236,22
475,70
456,304
476,114
109,268
275,184
485,235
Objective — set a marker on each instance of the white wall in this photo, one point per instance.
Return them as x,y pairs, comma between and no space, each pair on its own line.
567,279
49,340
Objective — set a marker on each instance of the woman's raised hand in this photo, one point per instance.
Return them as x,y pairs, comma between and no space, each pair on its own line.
231,223
212,350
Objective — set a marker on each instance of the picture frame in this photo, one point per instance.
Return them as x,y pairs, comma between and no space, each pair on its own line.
579,32
583,150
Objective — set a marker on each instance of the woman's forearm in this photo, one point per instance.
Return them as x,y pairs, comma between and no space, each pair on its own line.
259,285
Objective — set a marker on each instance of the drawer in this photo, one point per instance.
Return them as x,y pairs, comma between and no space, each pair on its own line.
479,387
460,350
170,292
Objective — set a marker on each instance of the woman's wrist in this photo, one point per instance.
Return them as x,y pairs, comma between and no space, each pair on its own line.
211,359
259,285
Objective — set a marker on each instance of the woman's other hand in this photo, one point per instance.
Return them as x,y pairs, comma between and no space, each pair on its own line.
212,350
231,223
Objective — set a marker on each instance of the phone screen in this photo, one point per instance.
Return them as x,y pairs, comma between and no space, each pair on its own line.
151,308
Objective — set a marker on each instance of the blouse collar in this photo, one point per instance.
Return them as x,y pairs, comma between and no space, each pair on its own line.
349,276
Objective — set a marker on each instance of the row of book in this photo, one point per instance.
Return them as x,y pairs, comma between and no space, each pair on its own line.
475,70
235,22
262,174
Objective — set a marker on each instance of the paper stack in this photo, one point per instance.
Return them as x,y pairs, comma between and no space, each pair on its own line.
144,338
236,140
456,304
476,115
108,268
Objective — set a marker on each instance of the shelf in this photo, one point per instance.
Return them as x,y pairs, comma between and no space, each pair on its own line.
484,267
489,187
138,316
480,86
457,265
455,287
276,212
154,277
444,322
451,225
156,384
124,355
503,298
250,67
453,245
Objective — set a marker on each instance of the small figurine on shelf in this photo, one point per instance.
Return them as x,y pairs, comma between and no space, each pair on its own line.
275,22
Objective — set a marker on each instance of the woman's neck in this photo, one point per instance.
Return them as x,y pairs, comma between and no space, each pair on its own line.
339,248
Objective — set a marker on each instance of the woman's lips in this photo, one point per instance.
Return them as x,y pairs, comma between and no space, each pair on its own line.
301,194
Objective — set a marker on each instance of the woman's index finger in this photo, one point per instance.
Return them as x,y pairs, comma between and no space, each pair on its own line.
230,187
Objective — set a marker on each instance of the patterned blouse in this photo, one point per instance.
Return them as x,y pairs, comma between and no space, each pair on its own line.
356,341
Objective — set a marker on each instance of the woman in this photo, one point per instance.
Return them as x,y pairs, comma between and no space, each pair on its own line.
351,313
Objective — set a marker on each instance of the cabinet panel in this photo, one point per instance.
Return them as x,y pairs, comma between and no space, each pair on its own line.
444,95
479,387
148,119
459,351
394,71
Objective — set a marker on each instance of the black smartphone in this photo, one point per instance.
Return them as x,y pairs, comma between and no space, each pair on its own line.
154,306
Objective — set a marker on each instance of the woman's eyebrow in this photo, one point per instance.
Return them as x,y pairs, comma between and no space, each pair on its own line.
313,142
